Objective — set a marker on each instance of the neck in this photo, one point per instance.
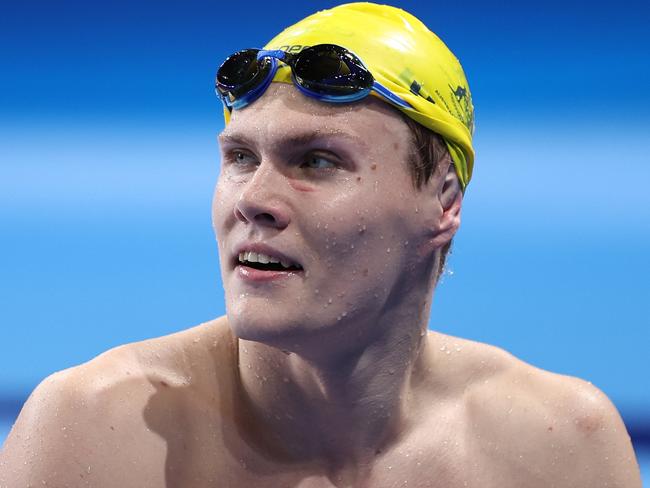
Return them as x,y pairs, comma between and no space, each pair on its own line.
332,404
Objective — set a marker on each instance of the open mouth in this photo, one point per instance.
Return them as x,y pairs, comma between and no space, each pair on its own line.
269,266
265,262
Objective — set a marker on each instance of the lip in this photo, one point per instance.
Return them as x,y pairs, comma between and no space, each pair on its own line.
252,275
264,249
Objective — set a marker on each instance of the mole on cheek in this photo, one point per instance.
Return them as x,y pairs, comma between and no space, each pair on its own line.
396,145
358,178
373,166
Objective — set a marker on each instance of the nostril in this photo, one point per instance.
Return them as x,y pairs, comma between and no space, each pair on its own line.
265,217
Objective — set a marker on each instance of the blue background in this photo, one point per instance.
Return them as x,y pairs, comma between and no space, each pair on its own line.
108,159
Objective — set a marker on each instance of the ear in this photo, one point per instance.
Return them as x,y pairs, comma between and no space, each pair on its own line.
451,198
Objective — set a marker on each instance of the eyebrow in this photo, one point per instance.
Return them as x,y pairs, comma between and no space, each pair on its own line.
301,139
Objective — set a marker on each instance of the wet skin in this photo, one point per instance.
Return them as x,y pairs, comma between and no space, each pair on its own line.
326,377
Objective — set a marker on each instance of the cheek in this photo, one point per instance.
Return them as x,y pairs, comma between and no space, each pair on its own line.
357,244
222,198
222,204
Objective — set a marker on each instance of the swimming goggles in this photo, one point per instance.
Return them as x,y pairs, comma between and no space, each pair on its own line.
326,72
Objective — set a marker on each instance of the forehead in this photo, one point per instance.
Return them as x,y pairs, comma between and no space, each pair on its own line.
284,112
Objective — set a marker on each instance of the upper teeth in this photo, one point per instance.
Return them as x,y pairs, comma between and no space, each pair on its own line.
258,257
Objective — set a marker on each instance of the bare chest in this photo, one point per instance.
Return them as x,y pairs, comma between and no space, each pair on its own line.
226,461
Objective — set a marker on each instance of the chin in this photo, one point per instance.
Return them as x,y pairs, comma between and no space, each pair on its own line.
263,324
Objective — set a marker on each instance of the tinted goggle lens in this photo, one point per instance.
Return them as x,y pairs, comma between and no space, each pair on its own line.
331,70
240,72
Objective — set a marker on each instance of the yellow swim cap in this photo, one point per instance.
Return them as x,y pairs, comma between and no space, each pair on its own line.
405,57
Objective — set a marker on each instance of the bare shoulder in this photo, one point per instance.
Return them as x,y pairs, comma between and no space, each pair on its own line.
97,423
547,429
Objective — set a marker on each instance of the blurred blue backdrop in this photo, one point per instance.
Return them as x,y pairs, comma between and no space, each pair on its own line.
108,159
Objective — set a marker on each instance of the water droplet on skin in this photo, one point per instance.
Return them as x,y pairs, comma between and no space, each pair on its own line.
329,300
388,250
391,372
351,246
316,291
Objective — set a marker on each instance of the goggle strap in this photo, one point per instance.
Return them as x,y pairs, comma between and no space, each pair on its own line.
389,95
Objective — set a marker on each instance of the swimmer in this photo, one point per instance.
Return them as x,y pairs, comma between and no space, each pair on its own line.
345,158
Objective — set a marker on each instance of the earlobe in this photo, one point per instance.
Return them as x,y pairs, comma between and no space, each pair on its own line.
449,222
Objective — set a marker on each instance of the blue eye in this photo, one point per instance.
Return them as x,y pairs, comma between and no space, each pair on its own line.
319,162
240,157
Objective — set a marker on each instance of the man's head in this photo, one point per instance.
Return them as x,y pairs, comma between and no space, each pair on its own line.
362,199
412,70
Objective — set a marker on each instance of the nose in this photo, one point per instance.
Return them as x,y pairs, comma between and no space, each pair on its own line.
261,202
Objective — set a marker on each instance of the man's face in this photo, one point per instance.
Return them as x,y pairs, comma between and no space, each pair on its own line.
329,187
